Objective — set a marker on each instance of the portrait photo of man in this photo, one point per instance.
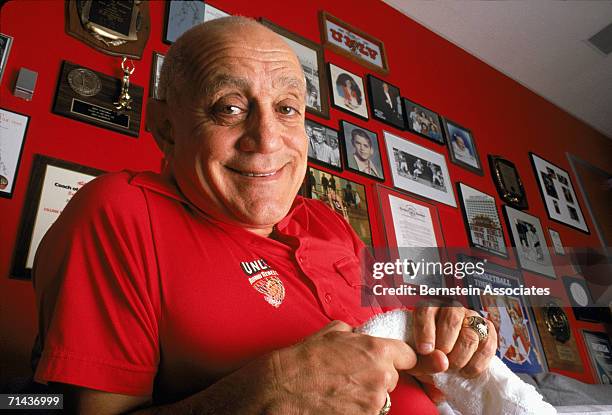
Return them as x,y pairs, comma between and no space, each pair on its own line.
362,151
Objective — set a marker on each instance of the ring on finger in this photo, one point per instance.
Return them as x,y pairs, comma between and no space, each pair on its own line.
386,407
479,325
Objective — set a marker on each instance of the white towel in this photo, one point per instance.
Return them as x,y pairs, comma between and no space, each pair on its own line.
496,391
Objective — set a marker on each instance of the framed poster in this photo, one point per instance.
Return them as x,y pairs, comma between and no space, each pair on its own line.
182,15
346,40
558,194
310,55
423,122
482,221
323,145
518,343
462,147
529,242
5,48
53,182
345,197
348,93
508,183
362,151
158,61
600,352
13,130
419,170
556,242
385,102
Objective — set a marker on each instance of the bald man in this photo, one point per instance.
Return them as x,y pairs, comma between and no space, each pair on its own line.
211,288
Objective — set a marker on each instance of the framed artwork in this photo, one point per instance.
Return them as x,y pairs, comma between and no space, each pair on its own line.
53,182
348,93
361,150
182,15
13,130
6,42
529,242
346,40
385,102
556,242
518,342
508,183
600,353
323,145
344,197
581,300
419,170
423,122
158,61
462,147
482,221
558,194
310,55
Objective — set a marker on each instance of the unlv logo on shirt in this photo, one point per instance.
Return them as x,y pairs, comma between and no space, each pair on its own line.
265,280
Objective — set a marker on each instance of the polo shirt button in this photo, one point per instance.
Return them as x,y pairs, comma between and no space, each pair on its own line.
328,298
300,260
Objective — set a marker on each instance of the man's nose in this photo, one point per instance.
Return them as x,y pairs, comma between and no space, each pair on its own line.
263,131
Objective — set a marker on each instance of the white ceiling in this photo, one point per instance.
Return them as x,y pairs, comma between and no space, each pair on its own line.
539,43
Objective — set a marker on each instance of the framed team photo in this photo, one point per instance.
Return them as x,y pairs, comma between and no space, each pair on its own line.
310,55
348,93
385,102
482,221
13,131
419,170
362,150
323,145
462,147
182,15
558,193
423,122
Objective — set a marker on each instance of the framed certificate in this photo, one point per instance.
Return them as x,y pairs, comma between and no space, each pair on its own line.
13,129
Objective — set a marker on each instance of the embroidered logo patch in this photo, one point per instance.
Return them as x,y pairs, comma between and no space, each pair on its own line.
265,280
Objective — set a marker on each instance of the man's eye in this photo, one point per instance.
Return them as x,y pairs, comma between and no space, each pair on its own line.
231,110
287,110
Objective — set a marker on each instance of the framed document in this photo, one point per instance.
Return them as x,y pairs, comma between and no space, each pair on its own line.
362,151
348,93
462,147
508,183
5,48
182,15
419,170
13,129
323,145
385,102
600,352
423,121
53,182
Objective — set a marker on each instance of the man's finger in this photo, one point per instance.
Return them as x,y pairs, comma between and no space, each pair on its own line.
425,328
465,347
448,327
434,362
402,355
335,325
483,355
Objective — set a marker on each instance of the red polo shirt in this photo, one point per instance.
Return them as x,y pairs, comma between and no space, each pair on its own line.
139,293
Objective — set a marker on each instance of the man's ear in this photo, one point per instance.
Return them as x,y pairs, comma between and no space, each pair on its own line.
159,124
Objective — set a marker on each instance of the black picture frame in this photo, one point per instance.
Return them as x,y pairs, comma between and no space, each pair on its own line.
409,106
328,134
9,182
348,149
199,16
454,130
600,357
357,99
388,111
581,300
508,182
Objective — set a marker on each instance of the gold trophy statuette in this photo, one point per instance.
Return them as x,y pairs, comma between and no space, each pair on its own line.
125,100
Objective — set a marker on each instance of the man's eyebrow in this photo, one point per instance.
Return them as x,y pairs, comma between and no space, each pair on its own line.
225,81
291,82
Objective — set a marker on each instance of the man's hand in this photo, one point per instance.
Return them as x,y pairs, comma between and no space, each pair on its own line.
441,328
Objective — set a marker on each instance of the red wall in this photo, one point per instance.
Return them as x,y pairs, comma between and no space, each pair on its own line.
505,118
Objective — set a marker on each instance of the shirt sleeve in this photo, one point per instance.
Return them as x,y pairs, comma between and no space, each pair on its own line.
97,291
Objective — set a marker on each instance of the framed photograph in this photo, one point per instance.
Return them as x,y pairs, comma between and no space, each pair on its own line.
312,60
581,300
13,130
361,150
182,15
558,194
6,42
423,121
385,102
158,61
53,182
462,147
346,40
419,170
529,242
518,342
482,221
343,196
600,353
508,183
556,242
348,93
323,145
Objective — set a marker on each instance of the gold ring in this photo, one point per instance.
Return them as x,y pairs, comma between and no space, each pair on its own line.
479,325
386,407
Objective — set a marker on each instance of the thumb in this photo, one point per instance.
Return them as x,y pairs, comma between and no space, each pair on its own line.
434,362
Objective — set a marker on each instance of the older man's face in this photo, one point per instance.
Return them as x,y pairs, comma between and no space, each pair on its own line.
240,148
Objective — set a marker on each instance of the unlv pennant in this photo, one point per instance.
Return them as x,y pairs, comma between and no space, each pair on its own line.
265,280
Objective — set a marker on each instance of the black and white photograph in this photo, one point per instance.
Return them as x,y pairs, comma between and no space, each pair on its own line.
13,131
361,150
348,93
5,48
482,220
558,193
419,170
385,102
158,61
556,242
529,242
182,15
461,147
423,121
323,145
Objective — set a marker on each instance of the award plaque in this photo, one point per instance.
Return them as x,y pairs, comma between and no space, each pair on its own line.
508,182
115,27
89,96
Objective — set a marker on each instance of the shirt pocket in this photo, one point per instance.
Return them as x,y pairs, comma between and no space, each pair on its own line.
349,269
